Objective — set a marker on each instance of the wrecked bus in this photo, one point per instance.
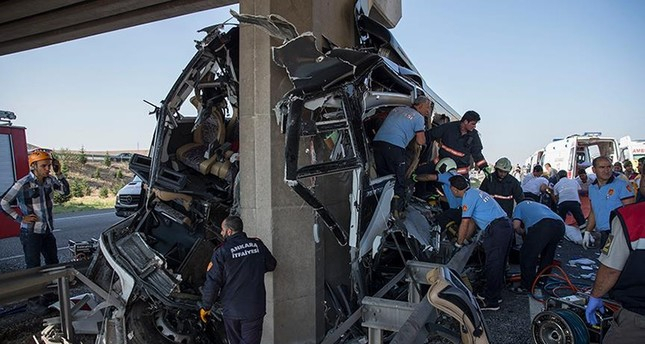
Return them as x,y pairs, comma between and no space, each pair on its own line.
153,262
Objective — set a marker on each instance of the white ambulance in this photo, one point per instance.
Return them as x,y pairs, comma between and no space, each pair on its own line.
578,151
631,149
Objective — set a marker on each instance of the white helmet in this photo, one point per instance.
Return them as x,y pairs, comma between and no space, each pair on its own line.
448,163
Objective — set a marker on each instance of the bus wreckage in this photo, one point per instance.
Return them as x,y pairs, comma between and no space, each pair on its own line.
406,277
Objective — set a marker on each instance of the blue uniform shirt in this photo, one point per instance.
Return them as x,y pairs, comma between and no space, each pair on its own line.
530,213
444,178
481,207
607,198
400,126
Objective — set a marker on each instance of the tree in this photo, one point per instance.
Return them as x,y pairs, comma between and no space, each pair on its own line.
103,193
107,160
97,174
118,174
82,158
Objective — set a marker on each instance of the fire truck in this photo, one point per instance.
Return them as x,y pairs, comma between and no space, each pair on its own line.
13,165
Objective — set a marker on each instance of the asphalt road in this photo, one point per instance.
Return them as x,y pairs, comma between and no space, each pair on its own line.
70,226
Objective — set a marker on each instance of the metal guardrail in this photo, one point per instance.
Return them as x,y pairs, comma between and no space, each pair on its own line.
23,284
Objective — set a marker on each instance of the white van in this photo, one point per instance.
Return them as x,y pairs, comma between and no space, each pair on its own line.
578,151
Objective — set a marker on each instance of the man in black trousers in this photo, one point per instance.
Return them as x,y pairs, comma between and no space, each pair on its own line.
235,276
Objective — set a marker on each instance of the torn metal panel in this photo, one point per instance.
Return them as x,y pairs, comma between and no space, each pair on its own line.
273,24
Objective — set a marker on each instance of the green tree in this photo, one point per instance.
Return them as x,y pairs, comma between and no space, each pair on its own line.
103,192
64,167
60,198
76,188
97,174
107,160
118,174
82,158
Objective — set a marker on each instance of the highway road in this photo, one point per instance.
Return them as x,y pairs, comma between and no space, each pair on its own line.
70,226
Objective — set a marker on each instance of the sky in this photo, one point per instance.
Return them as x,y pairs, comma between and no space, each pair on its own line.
533,70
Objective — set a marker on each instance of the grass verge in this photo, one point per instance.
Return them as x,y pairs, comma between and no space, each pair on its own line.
86,203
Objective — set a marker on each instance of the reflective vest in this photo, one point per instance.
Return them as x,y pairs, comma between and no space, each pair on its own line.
630,287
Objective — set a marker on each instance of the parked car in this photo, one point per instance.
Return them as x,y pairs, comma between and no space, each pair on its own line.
128,199
122,157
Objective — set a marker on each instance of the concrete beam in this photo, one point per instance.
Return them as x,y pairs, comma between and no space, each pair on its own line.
88,21
15,10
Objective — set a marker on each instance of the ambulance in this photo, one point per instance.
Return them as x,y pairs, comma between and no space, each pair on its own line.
13,165
631,149
578,151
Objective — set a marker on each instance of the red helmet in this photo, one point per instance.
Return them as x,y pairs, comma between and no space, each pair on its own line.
39,155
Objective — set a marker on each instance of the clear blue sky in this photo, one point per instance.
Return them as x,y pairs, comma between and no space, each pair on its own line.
534,70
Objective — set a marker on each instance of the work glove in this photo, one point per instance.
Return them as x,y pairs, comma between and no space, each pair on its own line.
594,304
204,314
56,166
587,240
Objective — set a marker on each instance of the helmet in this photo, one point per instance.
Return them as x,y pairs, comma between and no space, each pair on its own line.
39,155
504,164
448,163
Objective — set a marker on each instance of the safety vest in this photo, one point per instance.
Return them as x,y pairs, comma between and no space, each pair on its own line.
631,283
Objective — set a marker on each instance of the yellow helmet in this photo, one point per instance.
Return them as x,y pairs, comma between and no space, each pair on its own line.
39,155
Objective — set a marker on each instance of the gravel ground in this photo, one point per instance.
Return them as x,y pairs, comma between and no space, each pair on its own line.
511,324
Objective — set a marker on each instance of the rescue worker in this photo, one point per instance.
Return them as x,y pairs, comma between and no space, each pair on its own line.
460,141
606,194
566,192
504,188
235,277
550,173
478,209
621,273
33,193
402,124
451,215
534,185
543,229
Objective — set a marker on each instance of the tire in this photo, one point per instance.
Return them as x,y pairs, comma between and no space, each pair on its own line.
145,325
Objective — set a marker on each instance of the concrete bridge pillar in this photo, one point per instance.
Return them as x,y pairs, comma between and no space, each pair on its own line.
271,211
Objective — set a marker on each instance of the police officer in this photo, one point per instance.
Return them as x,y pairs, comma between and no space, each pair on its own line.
543,229
401,126
606,194
460,141
622,274
235,277
478,208
504,188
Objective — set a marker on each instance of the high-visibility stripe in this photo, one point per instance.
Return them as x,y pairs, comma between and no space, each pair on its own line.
452,151
502,197
480,162
463,170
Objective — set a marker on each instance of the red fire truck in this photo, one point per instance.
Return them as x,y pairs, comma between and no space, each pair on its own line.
13,165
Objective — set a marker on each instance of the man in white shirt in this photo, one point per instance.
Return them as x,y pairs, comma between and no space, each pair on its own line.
566,193
534,185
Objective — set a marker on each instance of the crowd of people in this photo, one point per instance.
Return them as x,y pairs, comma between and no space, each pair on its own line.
534,206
